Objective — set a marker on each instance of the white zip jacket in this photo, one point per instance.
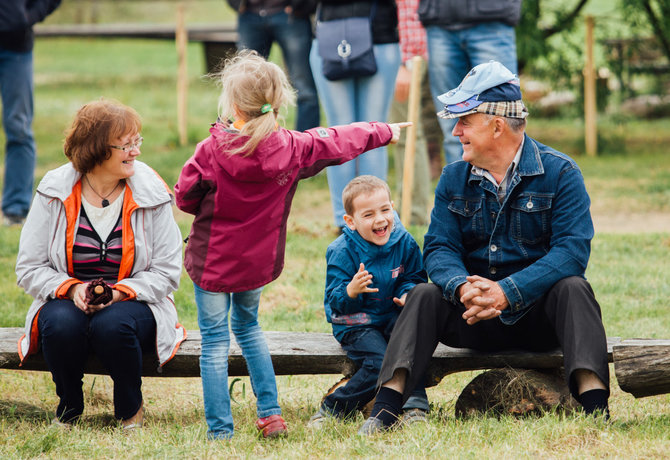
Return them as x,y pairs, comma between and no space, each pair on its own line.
151,261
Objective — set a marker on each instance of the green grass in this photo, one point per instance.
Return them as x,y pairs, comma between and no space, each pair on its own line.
628,273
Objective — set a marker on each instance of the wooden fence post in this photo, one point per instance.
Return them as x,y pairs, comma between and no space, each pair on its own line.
410,144
590,110
181,38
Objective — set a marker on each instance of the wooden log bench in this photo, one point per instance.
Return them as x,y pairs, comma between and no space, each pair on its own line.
218,39
642,365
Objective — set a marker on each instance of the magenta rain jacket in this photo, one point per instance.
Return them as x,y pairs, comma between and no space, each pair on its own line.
241,204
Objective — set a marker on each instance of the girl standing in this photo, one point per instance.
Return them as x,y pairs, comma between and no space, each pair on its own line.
239,184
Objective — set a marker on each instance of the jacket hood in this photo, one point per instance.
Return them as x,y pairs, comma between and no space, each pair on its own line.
58,183
372,249
265,163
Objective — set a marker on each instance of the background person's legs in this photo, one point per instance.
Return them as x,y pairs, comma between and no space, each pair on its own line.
16,89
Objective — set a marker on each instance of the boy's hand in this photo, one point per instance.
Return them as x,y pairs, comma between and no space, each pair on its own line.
360,282
395,129
400,301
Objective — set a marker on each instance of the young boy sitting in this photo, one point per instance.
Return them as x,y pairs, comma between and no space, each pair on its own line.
371,267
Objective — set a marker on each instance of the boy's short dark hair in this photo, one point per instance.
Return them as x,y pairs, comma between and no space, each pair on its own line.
365,184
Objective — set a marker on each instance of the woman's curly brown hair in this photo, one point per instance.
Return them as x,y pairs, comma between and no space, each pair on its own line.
94,126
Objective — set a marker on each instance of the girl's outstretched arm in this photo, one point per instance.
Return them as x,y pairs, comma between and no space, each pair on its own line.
322,147
396,129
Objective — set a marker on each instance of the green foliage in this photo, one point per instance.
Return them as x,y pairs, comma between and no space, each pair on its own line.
648,15
652,17
545,38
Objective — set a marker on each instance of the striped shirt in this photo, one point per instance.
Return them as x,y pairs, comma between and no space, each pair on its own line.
94,258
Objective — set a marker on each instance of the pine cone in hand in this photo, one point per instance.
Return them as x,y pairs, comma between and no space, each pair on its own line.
98,292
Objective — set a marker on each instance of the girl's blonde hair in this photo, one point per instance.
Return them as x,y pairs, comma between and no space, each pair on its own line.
249,83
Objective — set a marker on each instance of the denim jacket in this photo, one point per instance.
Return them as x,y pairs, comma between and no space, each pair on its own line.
540,234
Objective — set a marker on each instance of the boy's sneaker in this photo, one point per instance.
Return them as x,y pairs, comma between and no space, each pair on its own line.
272,426
414,416
317,420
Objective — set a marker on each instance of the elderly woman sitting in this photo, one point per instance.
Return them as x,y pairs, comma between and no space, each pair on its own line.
102,215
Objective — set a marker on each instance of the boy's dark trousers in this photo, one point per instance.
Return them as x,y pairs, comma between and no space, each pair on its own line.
366,346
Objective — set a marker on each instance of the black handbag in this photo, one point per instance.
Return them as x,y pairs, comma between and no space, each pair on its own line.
345,46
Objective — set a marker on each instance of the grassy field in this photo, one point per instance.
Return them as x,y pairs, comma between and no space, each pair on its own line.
629,273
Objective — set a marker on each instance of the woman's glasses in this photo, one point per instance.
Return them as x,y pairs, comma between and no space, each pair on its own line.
129,147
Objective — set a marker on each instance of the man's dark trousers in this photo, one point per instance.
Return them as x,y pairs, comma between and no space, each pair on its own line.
567,316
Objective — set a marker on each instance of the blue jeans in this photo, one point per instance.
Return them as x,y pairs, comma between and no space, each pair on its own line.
16,89
119,335
453,53
366,348
294,36
213,308
357,99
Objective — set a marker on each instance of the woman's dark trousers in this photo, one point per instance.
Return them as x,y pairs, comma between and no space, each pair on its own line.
118,334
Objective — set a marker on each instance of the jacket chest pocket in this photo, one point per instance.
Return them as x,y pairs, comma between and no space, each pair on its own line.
531,217
470,217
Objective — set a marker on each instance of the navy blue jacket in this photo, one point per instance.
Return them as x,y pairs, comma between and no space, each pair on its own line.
17,18
396,268
459,14
539,235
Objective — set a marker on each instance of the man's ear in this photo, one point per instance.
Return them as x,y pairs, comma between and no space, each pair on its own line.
392,204
499,126
349,221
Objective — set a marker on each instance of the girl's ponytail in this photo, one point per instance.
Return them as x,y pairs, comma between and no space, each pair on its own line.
255,90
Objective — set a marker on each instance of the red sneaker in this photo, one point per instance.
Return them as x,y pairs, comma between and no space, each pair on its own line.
272,426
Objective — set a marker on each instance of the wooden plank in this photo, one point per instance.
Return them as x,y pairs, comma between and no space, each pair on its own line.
590,108
181,37
642,366
292,353
410,143
301,353
220,33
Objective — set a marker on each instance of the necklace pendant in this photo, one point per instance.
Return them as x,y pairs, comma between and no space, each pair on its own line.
105,203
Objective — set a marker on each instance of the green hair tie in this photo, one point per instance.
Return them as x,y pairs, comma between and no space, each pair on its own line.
265,108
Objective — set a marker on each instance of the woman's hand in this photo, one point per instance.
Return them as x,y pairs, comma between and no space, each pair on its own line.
77,294
395,129
117,296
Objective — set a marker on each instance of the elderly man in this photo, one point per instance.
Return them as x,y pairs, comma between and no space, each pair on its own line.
506,250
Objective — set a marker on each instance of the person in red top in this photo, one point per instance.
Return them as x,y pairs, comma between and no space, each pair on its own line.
239,184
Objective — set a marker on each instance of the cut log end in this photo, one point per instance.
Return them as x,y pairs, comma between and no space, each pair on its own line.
517,392
642,366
